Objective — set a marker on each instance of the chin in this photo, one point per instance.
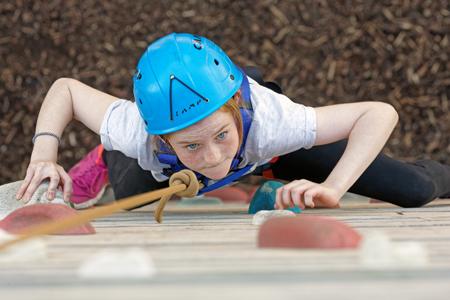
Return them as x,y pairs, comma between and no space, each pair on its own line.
216,175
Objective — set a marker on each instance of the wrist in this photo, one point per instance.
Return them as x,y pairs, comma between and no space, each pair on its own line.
338,186
46,133
45,149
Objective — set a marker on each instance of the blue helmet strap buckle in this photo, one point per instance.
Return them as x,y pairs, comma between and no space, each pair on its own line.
172,78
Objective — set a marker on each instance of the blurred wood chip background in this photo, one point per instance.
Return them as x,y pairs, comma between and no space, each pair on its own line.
321,52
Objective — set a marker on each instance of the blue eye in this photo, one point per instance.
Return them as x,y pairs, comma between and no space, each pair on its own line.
192,147
222,135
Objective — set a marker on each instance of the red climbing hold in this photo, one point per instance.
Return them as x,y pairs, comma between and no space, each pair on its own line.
306,231
230,194
32,215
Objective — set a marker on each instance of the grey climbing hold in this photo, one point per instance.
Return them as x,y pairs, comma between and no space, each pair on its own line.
8,202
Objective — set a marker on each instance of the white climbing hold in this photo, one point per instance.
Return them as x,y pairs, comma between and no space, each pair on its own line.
130,263
27,250
377,251
264,215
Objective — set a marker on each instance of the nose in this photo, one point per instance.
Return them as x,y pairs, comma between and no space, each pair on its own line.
211,156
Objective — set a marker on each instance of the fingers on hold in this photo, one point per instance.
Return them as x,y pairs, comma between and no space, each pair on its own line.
32,187
67,186
53,185
278,202
309,197
25,183
296,194
286,197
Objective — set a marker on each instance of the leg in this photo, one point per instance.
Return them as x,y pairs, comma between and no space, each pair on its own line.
127,178
387,179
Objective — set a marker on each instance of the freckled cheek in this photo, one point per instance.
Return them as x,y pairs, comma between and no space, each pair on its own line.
189,159
227,149
232,145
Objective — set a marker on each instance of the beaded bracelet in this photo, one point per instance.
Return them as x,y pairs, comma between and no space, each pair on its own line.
46,133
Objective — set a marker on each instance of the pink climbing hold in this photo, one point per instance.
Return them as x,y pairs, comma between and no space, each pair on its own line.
306,231
32,215
230,194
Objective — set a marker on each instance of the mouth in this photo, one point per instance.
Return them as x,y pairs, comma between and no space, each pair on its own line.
208,168
216,172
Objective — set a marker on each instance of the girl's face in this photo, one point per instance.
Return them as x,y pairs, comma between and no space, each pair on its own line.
209,146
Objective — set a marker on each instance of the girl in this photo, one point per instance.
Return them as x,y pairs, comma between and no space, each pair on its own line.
194,108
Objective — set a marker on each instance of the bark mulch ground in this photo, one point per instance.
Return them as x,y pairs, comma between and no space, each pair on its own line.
322,52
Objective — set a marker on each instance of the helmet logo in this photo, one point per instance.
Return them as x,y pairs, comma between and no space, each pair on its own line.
190,105
138,74
197,42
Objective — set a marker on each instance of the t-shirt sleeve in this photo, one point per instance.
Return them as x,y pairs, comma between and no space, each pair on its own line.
122,128
281,126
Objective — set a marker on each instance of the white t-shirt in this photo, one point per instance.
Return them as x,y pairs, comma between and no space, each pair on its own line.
279,126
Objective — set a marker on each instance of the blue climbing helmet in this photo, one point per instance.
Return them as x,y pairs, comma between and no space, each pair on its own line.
181,79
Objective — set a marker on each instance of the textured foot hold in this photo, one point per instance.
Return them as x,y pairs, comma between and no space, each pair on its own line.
124,264
307,232
263,215
32,215
264,198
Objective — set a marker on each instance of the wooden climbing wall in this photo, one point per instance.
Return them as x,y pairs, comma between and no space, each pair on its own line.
210,252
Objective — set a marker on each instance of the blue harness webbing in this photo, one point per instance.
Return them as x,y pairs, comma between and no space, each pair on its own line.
168,157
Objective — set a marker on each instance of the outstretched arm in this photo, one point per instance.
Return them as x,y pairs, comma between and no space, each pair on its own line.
367,125
67,99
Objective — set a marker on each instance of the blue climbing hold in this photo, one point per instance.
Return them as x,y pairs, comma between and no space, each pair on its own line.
264,198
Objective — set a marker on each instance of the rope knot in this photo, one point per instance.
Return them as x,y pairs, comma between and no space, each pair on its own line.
188,178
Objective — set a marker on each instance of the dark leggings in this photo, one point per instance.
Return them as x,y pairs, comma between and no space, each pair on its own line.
386,179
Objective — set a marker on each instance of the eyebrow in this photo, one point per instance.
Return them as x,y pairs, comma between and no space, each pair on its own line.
194,141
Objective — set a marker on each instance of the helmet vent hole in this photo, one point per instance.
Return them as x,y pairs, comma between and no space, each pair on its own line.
232,77
145,121
140,100
216,62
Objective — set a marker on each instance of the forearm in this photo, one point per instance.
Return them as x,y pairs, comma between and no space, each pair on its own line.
366,139
56,112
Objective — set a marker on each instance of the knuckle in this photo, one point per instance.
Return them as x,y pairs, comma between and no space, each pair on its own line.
39,170
309,193
40,165
297,189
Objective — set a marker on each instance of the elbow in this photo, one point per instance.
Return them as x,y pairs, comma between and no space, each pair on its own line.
62,85
62,91
388,112
63,82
